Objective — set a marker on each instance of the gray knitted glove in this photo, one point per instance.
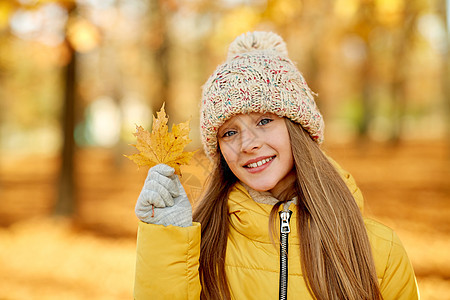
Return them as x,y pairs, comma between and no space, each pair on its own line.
163,200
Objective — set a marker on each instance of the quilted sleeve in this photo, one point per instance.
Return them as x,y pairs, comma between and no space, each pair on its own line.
167,261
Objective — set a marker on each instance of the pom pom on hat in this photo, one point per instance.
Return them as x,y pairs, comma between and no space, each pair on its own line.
258,76
258,40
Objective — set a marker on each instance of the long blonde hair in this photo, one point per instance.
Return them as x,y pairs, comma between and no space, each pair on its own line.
336,257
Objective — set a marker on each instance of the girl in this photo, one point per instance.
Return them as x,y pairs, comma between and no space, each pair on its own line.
278,219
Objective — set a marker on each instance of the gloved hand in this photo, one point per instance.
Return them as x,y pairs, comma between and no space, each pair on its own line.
163,200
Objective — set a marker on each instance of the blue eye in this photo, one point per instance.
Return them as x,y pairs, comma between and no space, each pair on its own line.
229,133
265,121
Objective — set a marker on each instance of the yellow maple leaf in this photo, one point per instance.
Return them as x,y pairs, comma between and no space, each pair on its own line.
161,146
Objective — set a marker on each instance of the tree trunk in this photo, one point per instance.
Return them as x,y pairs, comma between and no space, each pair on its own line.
445,11
65,204
161,55
364,26
404,42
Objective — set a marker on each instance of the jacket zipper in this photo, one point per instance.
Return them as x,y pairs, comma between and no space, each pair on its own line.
285,216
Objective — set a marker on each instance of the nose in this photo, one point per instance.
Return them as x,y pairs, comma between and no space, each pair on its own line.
250,141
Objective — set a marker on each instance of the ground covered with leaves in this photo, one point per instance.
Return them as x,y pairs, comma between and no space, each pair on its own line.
92,254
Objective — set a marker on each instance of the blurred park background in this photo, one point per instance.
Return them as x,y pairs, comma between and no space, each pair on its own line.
76,77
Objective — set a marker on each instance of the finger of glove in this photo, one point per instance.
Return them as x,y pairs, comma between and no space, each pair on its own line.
162,169
155,194
172,216
168,182
144,213
181,200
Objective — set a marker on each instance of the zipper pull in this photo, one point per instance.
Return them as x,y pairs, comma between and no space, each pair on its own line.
284,217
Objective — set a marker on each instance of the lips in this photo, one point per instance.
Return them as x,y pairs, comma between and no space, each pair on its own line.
258,162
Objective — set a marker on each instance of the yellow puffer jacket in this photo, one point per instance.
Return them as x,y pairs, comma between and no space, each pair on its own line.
167,257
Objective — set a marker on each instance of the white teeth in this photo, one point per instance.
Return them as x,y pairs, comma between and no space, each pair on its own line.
259,163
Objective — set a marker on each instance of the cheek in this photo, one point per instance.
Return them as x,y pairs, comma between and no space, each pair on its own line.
283,144
290,162
228,152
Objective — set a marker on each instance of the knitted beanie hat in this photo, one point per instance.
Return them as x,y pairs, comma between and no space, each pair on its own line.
257,76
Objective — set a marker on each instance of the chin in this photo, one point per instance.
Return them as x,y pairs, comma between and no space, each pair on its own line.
261,187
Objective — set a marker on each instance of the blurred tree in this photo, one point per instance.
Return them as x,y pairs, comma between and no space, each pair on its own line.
404,38
321,17
6,9
160,43
363,27
444,12
66,200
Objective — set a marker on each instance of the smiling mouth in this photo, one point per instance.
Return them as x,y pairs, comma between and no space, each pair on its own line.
259,163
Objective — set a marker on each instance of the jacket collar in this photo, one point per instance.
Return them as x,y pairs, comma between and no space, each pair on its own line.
251,218
260,197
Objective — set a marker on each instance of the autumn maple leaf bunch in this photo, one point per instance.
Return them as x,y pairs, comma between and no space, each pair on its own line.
161,146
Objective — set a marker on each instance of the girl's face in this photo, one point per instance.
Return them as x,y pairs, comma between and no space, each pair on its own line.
257,149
